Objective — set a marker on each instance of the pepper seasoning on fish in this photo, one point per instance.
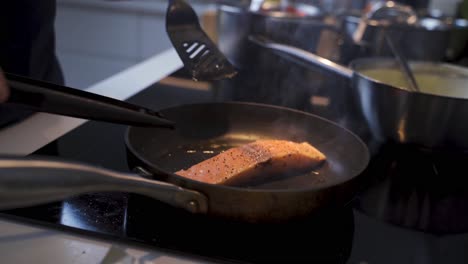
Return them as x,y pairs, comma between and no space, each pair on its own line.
255,162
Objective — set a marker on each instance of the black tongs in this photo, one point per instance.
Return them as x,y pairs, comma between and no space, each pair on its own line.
46,97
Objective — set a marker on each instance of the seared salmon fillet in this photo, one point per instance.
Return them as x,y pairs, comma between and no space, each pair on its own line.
255,162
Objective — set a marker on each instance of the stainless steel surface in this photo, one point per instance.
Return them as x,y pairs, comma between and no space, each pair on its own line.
200,55
393,113
32,181
403,63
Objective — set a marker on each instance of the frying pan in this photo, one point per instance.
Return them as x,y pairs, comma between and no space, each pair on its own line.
394,113
203,130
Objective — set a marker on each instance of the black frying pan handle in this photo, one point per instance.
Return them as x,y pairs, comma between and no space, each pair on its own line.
51,98
33,181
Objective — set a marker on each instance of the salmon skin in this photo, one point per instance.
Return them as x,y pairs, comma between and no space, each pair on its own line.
255,162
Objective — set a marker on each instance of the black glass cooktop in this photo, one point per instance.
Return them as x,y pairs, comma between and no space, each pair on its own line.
413,208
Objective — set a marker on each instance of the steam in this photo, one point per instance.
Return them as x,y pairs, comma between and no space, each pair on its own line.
281,81
265,77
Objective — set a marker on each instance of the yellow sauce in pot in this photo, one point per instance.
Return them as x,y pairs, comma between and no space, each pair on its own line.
430,82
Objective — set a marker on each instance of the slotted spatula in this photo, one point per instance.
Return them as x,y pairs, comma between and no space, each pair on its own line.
201,57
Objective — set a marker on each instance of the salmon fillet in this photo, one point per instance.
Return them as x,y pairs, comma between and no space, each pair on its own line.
255,162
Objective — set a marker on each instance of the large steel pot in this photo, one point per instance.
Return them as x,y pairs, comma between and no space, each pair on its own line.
394,113
265,77
442,38
237,23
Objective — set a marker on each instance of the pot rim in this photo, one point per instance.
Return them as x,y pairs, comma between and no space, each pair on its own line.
314,13
387,62
425,23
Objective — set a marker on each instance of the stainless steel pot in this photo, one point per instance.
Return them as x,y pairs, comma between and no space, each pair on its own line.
421,38
394,113
267,78
235,24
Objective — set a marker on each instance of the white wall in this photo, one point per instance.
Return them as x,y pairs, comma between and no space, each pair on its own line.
98,38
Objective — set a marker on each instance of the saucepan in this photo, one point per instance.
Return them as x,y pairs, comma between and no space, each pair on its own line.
433,118
201,131
266,78
443,38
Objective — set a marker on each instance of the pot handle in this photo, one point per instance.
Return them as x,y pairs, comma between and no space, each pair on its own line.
32,181
308,57
399,11
395,9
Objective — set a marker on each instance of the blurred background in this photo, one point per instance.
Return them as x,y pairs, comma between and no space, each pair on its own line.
96,38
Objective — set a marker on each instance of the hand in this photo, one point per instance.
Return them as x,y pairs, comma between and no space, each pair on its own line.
4,91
